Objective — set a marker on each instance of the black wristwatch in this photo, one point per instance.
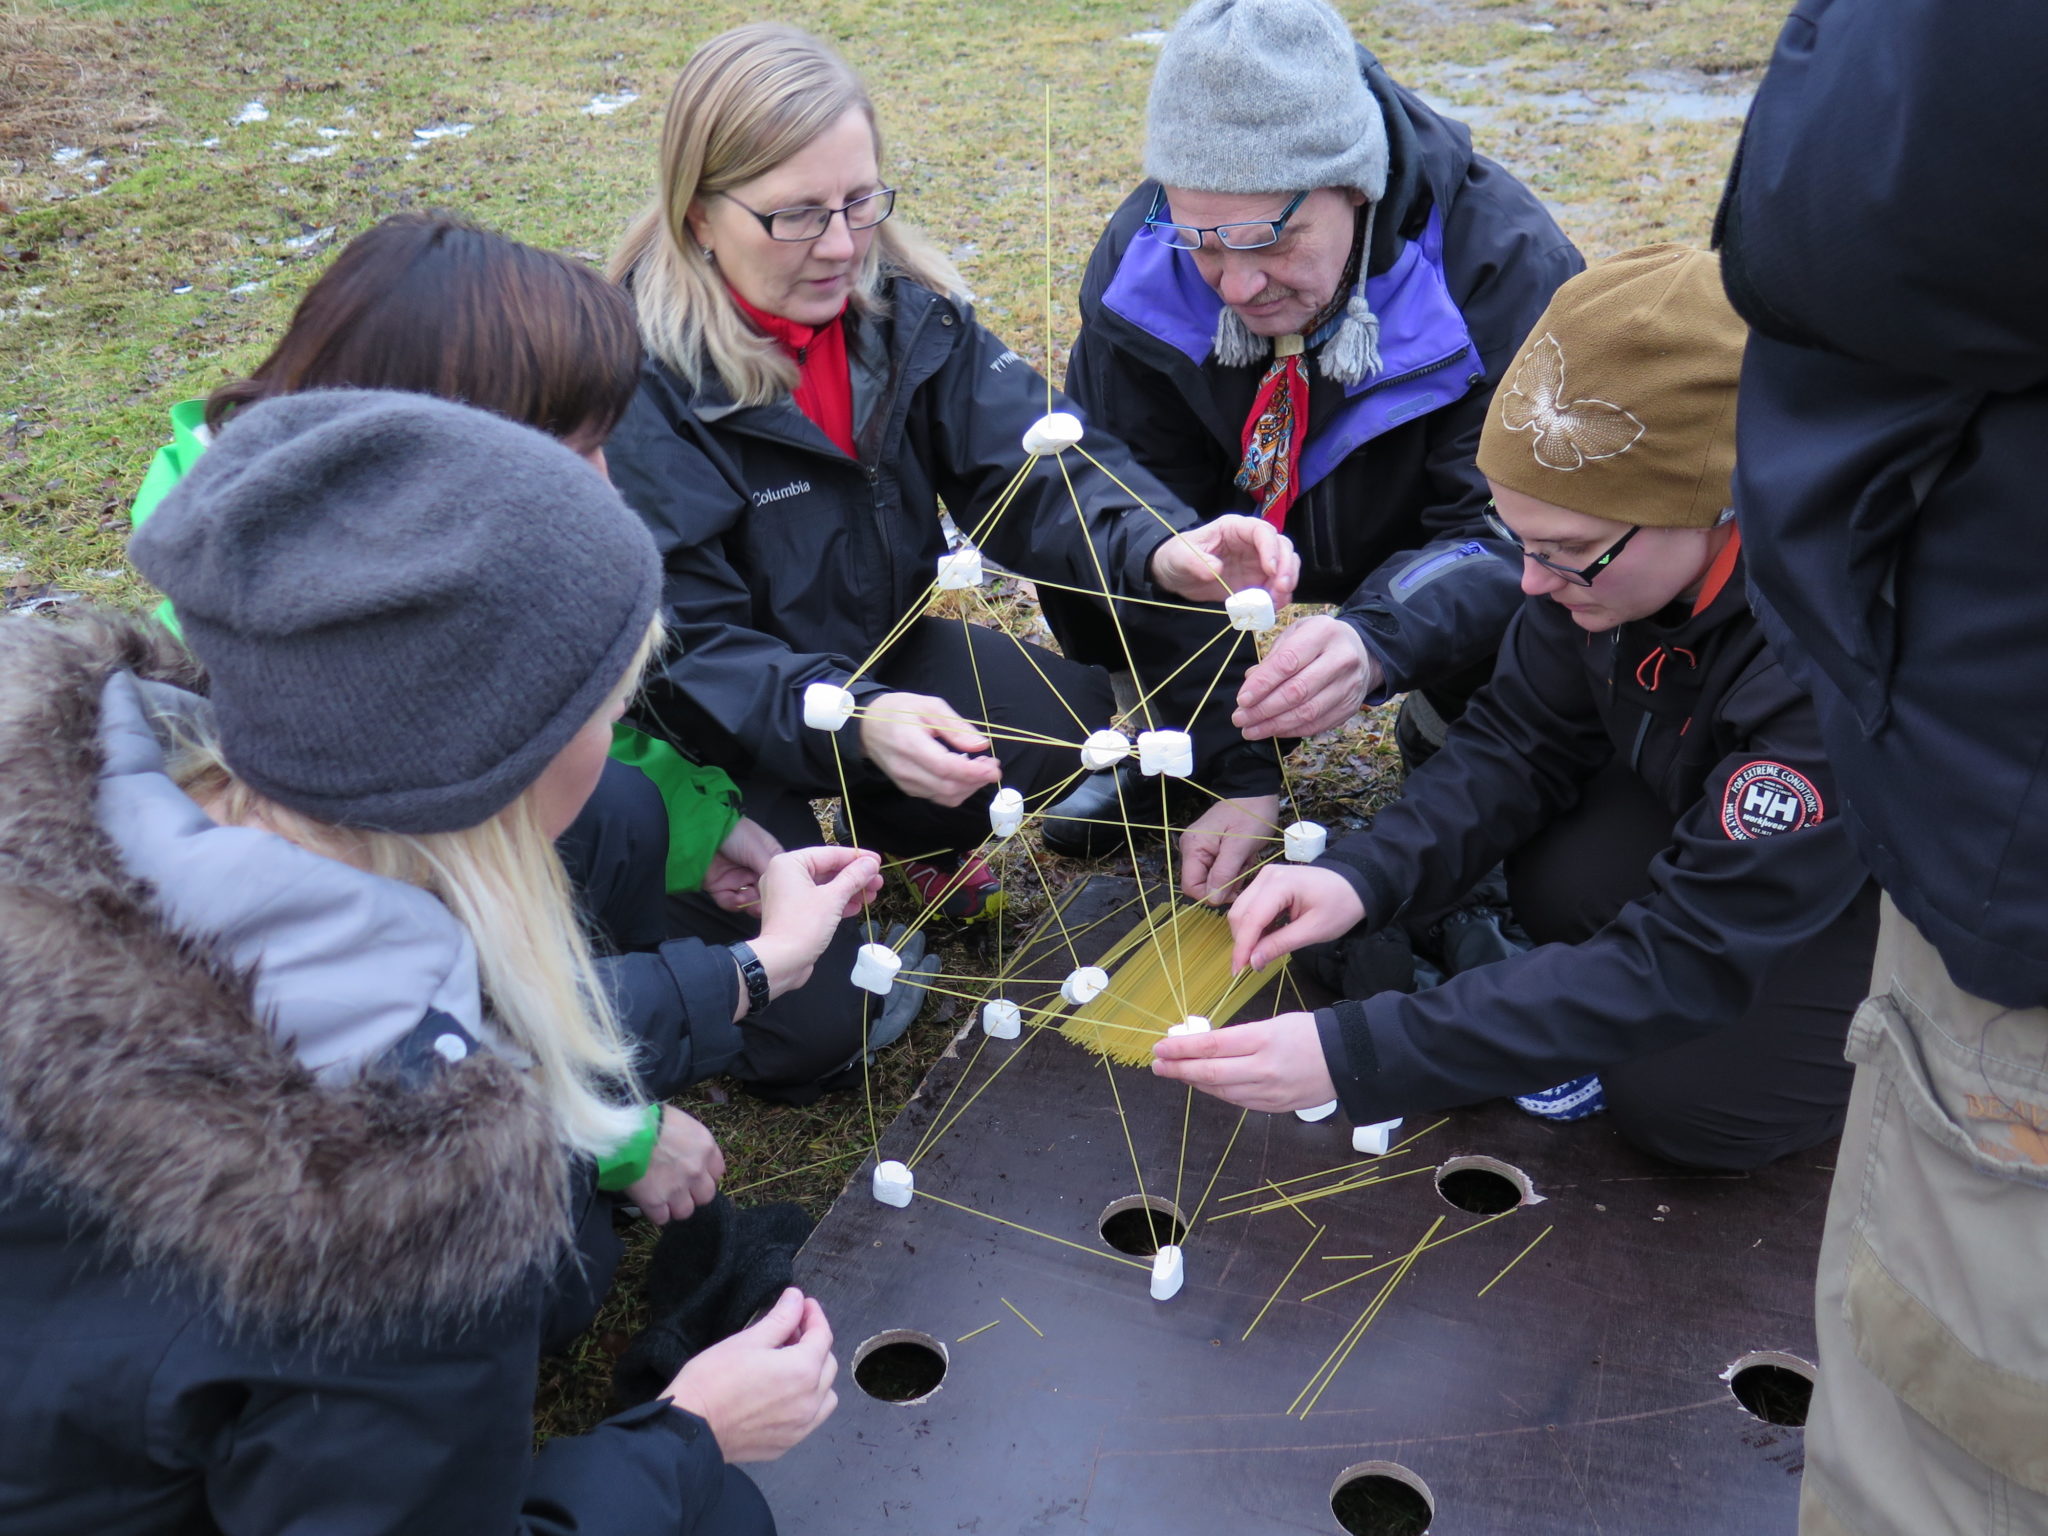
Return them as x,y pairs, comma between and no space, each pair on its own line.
754,974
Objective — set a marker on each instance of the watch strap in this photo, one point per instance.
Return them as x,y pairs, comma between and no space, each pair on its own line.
754,974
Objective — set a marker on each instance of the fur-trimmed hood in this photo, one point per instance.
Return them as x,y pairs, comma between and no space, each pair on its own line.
143,1083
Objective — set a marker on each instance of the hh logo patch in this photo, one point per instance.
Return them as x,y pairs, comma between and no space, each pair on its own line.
1767,798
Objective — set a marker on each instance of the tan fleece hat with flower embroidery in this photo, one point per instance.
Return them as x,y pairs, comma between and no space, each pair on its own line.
1621,403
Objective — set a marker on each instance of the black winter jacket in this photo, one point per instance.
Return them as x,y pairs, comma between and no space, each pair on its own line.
1894,446
789,563
1389,526
1759,863
235,1296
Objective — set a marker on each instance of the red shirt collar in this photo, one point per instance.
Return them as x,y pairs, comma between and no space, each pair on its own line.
793,337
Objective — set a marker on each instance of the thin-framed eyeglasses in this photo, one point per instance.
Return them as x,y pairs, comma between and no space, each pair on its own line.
795,225
1244,235
1578,576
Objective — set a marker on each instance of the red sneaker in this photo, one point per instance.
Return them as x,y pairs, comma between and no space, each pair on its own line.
965,890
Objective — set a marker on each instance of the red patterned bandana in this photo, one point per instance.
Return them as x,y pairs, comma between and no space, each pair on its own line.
1272,437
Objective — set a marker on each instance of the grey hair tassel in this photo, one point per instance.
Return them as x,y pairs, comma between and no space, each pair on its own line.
1235,346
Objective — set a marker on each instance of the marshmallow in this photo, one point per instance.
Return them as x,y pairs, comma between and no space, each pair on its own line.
1085,985
1049,434
1002,1019
1104,749
1193,1024
875,967
1168,1273
1373,1140
1251,609
1303,841
894,1184
960,568
1006,813
826,707
1169,752
1320,1112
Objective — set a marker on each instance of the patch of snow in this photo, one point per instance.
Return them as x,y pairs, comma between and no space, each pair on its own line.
254,112
605,106
431,131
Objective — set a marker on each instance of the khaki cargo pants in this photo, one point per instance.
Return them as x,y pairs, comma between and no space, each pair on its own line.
1931,1414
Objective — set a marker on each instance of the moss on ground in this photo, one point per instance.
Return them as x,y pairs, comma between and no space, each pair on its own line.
152,245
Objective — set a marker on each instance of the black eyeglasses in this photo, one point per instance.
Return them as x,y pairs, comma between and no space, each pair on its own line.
1250,235
1582,577
796,225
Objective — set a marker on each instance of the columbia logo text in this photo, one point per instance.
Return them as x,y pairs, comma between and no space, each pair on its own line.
781,492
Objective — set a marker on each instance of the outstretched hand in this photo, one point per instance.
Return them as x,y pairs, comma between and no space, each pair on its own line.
766,1387
1318,675
926,749
1222,841
1272,1065
805,895
1207,563
1310,905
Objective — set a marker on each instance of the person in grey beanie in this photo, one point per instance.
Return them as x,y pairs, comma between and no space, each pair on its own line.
304,1061
1300,313
340,647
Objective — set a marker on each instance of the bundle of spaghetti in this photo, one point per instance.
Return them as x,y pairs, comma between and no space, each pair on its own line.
1173,963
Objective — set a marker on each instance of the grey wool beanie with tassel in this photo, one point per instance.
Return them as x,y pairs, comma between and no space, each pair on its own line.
1258,96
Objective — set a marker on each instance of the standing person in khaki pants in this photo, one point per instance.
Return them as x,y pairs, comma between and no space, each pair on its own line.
1893,446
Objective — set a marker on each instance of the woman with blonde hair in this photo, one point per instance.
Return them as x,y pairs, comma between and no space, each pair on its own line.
817,387
303,1062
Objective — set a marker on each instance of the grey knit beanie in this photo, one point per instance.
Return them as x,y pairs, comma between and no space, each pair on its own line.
406,607
1266,96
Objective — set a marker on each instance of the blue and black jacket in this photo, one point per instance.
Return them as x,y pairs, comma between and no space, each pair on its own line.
1463,260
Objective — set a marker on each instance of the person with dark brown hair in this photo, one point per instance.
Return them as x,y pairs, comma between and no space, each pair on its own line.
431,304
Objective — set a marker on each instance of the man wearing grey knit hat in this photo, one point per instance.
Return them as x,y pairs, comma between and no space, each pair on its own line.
1300,314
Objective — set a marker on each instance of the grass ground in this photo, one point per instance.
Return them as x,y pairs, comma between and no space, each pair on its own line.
173,174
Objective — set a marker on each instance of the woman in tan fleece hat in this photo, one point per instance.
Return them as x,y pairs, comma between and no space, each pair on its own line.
1652,778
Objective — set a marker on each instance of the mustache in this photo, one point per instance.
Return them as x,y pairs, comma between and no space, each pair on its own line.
1268,294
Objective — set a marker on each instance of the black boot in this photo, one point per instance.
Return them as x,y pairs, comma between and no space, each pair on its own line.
1088,821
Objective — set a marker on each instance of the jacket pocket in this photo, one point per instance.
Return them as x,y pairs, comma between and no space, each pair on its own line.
1948,1258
